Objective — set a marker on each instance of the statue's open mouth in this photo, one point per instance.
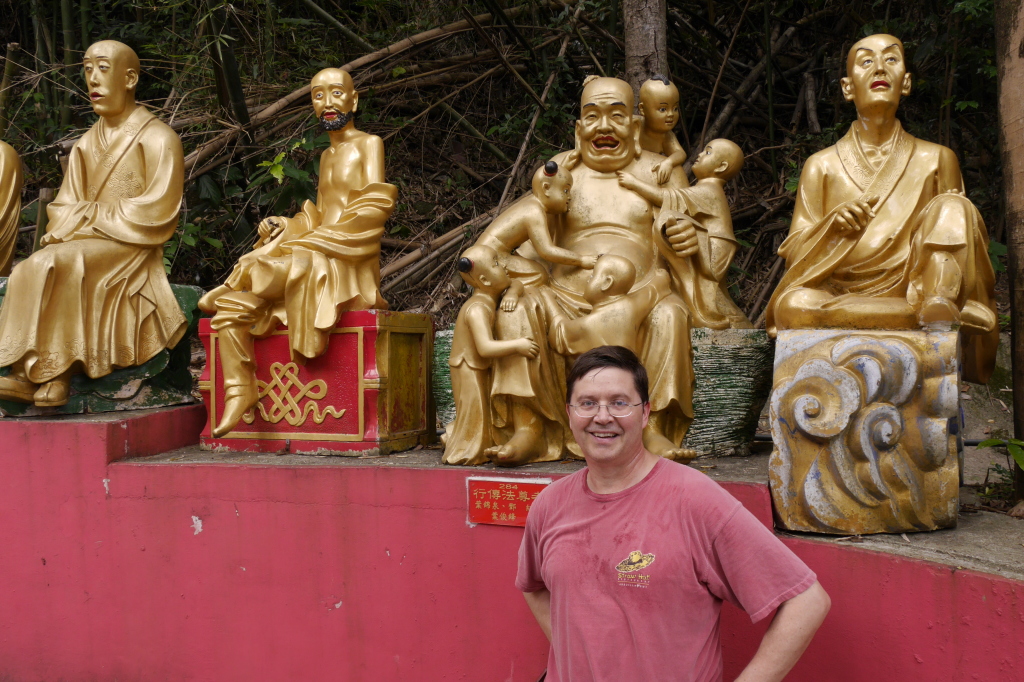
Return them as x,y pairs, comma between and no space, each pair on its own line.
95,96
605,142
879,84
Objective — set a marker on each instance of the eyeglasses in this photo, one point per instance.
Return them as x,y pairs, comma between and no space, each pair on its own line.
616,408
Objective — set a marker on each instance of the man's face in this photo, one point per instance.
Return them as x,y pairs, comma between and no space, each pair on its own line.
606,128
334,98
604,438
110,82
876,73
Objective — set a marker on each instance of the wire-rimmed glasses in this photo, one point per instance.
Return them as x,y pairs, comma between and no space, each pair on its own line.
616,408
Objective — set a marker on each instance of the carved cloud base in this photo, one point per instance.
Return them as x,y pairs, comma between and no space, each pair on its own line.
368,393
865,428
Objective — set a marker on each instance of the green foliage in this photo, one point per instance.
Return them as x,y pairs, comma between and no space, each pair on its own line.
996,252
1013,446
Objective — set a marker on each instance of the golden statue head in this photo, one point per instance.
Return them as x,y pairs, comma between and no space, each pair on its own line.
551,186
481,269
111,75
613,276
720,159
607,134
335,99
659,104
876,75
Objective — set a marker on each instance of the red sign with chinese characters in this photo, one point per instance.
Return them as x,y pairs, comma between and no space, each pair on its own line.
502,501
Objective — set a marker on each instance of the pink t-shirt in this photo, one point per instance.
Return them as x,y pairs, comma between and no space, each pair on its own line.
637,578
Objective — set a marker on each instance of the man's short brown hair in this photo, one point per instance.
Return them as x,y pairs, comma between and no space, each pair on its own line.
608,356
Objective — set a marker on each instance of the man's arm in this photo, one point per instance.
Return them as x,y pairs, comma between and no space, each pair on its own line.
791,631
540,604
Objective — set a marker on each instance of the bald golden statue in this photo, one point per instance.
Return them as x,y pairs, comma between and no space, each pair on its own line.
306,270
883,236
635,300
11,179
96,296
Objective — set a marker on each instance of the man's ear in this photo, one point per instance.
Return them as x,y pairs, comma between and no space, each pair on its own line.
636,136
576,131
607,282
847,87
546,185
355,100
484,279
908,82
131,79
722,167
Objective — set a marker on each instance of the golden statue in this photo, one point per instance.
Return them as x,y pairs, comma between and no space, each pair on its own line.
96,296
888,285
883,236
659,107
526,399
10,205
306,270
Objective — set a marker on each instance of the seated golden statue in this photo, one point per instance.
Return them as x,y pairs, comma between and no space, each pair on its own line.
882,234
96,296
10,205
527,397
306,270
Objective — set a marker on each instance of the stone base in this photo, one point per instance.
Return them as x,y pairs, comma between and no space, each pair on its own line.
732,375
865,425
368,393
161,382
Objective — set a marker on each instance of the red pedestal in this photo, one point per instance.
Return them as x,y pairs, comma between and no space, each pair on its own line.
368,392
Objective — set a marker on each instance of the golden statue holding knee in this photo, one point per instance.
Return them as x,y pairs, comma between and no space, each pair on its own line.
883,236
96,297
306,270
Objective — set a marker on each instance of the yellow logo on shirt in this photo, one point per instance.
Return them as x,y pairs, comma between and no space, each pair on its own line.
636,561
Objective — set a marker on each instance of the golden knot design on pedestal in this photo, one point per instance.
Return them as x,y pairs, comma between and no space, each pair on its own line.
285,403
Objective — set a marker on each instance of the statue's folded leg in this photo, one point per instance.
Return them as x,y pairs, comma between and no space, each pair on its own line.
236,313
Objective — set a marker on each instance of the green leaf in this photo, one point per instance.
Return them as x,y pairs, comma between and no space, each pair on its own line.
188,239
744,243
216,243
277,171
397,71
966,104
991,443
1016,442
1018,454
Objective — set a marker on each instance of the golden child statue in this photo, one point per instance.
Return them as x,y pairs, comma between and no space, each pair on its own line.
659,106
701,278
96,296
10,205
306,270
473,348
883,236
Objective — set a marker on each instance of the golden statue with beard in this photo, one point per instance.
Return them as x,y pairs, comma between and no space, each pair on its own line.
527,396
883,236
306,270
96,296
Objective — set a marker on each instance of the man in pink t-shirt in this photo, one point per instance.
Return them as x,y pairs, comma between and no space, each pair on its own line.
626,563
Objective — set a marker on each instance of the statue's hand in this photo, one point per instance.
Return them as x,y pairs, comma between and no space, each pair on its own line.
527,347
509,301
588,262
853,216
269,229
681,236
626,180
663,171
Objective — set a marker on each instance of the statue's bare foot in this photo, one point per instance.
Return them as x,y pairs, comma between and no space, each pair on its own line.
53,393
525,446
17,389
663,447
237,401
938,313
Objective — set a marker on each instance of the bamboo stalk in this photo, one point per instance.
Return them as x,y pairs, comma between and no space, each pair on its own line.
718,80
504,60
5,84
345,30
69,60
46,195
471,129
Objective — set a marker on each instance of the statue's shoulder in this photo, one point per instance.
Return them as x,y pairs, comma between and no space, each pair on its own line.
367,140
924,148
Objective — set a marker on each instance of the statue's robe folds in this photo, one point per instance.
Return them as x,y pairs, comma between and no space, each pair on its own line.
97,297
10,205
917,214
700,278
311,273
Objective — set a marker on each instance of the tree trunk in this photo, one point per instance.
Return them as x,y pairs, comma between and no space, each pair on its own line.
644,23
1010,60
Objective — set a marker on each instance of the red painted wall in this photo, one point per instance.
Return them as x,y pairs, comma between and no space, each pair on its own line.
134,571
